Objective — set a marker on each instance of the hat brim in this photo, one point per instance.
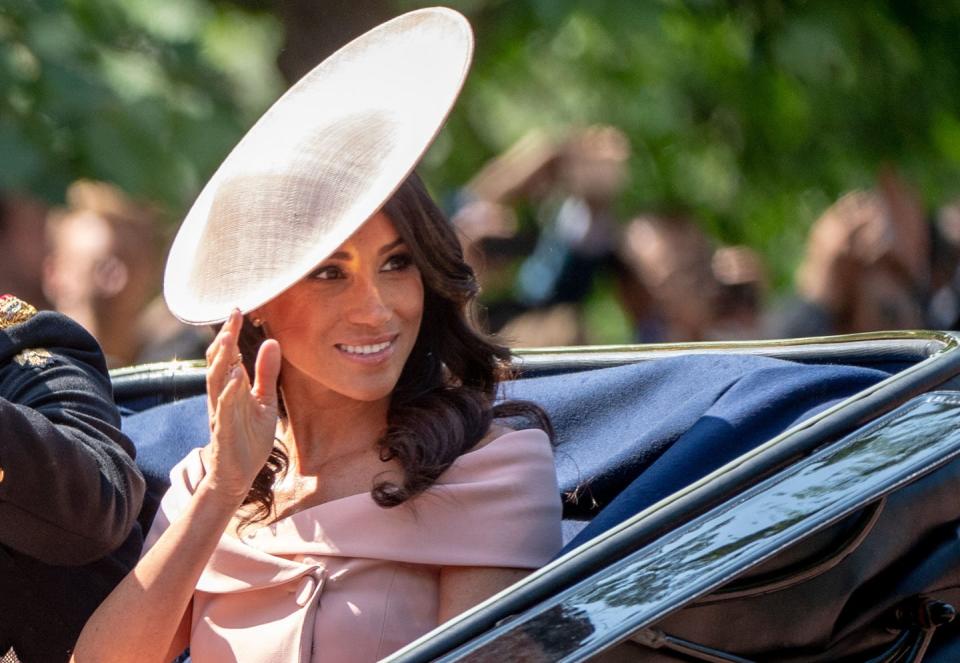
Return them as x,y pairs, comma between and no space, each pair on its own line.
319,163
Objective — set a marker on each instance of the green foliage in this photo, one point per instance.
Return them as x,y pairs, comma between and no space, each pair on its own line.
753,115
148,95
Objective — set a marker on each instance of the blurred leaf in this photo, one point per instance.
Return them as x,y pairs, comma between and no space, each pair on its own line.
23,161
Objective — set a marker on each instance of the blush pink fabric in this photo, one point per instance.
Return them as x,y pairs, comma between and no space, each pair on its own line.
350,581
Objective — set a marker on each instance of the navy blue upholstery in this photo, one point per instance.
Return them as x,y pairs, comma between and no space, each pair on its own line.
626,436
631,435
163,435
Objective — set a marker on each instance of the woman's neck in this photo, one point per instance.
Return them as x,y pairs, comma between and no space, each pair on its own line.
323,427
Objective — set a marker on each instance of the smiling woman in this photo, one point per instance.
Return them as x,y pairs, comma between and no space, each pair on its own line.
355,450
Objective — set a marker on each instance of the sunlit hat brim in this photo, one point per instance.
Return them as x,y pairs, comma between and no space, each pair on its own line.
321,161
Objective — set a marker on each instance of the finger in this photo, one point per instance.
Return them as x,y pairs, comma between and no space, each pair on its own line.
228,404
214,347
229,399
238,372
217,343
233,324
222,354
231,339
266,372
217,376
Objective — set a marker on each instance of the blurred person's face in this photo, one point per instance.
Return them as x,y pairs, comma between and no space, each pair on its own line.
599,180
863,262
594,163
82,267
673,261
851,235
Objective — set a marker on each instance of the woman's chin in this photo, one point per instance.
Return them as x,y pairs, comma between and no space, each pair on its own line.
368,393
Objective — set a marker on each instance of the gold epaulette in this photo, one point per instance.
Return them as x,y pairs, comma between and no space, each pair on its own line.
14,311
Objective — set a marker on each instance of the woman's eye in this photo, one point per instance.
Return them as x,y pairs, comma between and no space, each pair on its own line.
326,273
397,262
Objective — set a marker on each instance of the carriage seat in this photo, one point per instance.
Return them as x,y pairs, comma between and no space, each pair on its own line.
639,431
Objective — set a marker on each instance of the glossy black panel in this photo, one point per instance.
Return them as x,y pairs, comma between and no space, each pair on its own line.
725,542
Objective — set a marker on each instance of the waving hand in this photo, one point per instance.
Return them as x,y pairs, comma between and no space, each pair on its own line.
243,418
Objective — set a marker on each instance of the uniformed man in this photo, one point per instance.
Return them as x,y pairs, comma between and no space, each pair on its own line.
69,489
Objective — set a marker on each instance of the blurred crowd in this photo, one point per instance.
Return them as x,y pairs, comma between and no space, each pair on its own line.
97,259
539,224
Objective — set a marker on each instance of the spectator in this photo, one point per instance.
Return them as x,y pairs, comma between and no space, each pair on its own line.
569,185
741,278
669,259
866,266
103,270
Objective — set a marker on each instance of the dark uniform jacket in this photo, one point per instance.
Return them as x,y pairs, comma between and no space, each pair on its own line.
69,489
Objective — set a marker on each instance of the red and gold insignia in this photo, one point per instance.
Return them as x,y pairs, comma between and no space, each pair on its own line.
14,311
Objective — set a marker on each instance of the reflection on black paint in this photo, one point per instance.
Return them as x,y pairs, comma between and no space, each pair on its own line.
710,550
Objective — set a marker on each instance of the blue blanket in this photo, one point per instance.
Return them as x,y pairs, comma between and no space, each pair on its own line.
631,435
626,436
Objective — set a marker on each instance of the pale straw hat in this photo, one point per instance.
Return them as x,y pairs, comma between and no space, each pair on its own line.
320,162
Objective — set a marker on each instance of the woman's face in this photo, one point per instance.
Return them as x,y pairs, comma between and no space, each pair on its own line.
350,325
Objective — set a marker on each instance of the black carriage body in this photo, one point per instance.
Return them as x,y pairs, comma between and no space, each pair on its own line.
833,539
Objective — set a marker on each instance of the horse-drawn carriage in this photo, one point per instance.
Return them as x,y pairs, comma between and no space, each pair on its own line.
771,501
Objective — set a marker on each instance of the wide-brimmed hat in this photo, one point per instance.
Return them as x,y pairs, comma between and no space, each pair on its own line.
321,161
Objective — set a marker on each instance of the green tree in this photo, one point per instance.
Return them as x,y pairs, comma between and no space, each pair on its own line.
753,115
148,95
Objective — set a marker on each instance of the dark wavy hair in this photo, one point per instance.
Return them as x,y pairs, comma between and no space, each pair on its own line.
443,403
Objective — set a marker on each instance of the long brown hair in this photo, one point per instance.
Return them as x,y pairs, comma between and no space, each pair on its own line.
443,403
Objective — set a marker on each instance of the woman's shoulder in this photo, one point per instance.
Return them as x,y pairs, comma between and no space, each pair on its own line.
504,454
501,499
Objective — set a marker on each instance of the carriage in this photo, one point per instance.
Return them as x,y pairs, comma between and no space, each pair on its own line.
792,500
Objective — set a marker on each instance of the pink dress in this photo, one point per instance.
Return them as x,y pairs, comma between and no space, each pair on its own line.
350,581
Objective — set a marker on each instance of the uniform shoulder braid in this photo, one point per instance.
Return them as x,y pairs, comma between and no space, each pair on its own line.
14,311
34,339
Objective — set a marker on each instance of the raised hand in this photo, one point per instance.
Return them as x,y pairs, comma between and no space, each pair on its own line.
243,419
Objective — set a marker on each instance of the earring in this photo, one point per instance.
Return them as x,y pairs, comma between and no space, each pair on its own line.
257,322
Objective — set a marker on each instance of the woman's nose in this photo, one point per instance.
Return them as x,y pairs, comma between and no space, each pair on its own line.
367,305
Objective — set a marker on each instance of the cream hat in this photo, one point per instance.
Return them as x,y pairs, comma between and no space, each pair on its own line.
325,157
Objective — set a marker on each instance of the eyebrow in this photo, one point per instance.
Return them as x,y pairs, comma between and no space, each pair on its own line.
386,248
391,246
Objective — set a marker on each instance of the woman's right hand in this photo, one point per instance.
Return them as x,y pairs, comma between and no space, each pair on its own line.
243,418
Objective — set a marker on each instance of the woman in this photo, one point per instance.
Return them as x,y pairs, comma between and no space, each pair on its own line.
357,489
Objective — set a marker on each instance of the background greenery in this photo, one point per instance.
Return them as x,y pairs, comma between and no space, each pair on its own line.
751,114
